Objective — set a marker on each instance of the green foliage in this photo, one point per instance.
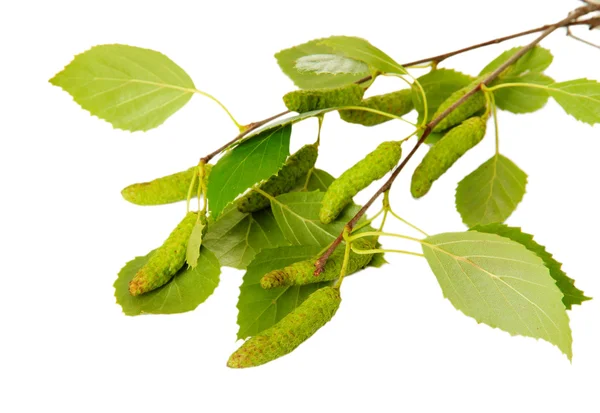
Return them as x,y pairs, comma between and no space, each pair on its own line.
289,176
260,309
397,103
374,166
490,193
247,164
166,260
523,99
166,189
314,99
580,98
187,289
501,283
535,60
310,80
445,153
571,294
330,64
289,332
130,87
195,241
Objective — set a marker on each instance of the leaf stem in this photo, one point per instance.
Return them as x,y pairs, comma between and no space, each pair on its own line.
413,226
218,102
382,250
378,112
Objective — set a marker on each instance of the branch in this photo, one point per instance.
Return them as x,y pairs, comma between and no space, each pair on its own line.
320,264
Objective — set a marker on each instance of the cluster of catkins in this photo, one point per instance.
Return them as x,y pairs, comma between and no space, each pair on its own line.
320,306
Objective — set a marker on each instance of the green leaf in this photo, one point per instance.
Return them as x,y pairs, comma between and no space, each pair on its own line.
306,80
258,308
501,283
571,294
319,180
491,192
130,87
247,164
236,238
535,60
330,64
438,85
187,289
522,99
360,49
297,214
194,244
580,98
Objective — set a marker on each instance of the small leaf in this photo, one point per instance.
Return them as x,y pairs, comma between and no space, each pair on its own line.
330,64
258,308
130,87
236,238
297,214
247,164
535,60
501,283
580,98
306,80
571,294
491,192
318,180
194,244
360,49
522,99
187,289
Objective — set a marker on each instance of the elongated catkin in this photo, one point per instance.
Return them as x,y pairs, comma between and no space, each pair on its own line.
312,99
397,103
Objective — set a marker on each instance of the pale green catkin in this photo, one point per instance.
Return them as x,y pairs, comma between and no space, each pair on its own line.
468,108
302,272
164,190
455,143
312,99
166,260
397,103
296,167
374,166
291,331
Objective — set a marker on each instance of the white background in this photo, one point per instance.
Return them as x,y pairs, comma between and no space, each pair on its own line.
395,345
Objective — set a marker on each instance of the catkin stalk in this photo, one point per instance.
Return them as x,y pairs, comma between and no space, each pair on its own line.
166,260
290,331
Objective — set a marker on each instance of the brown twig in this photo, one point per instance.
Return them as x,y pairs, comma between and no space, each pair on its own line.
580,39
581,11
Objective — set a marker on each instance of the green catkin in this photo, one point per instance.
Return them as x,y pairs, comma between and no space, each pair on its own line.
455,143
312,99
467,109
164,190
295,168
302,272
291,331
166,260
397,103
374,166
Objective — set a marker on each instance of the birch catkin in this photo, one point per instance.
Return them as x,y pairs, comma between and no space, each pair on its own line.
295,168
455,143
290,331
302,272
164,190
313,99
374,166
166,260
468,108
397,103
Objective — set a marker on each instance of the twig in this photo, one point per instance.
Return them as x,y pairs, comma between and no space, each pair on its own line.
582,40
320,263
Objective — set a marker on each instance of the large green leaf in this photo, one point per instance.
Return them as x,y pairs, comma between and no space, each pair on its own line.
130,87
501,283
258,308
360,49
236,238
307,80
331,64
522,99
535,60
297,214
187,289
491,192
571,294
580,98
247,164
